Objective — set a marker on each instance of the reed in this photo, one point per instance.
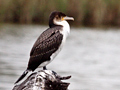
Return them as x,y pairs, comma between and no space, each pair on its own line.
85,12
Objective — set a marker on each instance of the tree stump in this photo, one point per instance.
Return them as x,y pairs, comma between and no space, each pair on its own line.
43,80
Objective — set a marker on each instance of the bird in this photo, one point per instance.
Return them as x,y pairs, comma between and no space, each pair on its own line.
49,43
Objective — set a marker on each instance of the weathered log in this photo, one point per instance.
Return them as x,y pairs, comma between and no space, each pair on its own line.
43,80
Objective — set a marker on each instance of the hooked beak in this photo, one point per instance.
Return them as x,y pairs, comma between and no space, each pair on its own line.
68,18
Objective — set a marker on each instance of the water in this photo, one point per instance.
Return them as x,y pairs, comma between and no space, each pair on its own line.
91,56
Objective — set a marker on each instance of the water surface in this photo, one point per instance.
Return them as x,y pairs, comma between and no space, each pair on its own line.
91,56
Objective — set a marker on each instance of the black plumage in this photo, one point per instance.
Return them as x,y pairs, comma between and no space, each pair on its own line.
47,43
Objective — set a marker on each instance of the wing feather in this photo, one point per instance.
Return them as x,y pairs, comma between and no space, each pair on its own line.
44,36
44,47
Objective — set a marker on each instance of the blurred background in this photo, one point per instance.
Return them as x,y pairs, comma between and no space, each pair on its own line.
85,12
92,51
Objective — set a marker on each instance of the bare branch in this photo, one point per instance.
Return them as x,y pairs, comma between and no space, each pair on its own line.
43,80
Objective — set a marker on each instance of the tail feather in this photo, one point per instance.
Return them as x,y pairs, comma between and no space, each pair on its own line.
22,76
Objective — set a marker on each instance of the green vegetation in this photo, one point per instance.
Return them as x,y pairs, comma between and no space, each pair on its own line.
85,12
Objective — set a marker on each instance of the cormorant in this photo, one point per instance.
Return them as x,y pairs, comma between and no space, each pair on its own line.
49,43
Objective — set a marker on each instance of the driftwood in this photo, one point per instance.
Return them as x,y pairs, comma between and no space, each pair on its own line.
43,80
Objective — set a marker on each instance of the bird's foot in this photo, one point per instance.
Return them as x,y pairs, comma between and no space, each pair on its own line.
54,73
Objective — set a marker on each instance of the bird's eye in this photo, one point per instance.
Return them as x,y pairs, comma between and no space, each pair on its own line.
57,17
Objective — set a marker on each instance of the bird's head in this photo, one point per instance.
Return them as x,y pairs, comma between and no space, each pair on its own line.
56,18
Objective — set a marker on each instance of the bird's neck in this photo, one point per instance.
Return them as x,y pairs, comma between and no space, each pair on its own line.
66,30
66,27
64,24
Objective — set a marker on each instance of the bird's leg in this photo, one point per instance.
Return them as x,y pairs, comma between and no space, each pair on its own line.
44,68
